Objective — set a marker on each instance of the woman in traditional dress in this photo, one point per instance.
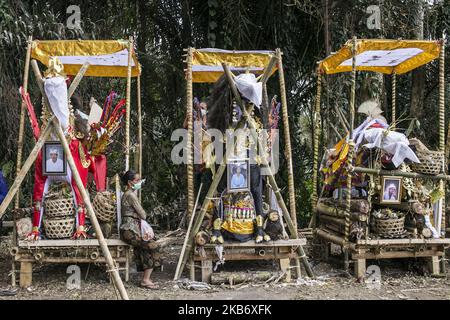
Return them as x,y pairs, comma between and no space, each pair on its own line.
146,253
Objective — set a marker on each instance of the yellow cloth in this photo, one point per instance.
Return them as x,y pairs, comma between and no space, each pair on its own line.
44,50
431,51
238,226
341,148
239,59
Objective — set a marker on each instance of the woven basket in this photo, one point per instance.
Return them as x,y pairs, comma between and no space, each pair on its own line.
59,208
59,228
390,227
431,162
105,206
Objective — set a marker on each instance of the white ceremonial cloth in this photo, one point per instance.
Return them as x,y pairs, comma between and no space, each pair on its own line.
56,90
249,87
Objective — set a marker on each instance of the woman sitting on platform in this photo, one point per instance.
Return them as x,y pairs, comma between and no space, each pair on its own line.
145,250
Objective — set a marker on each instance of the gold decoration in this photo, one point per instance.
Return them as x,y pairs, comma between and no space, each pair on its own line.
85,163
55,68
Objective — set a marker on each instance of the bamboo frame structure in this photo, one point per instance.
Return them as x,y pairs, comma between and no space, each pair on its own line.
92,216
292,223
289,218
53,125
22,117
360,251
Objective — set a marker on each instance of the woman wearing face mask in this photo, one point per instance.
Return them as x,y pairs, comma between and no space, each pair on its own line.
146,252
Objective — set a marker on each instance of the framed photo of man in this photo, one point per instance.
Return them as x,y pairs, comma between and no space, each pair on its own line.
54,159
238,175
392,189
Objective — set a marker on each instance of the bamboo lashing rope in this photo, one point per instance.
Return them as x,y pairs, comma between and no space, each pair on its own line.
287,139
317,127
394,99
189,146
22,118
351,145
128,106
442,125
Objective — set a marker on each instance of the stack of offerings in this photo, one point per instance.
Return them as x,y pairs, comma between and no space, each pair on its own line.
238,216
389,223
105,206
59,217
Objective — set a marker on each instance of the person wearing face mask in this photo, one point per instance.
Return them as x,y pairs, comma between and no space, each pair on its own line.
201,140
146,253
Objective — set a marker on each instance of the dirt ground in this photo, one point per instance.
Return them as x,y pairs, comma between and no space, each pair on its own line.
399,281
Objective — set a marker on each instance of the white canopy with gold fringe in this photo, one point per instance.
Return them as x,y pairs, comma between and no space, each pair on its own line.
107,58
207,62
381,55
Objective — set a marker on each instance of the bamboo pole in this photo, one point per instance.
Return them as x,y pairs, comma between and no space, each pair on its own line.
24,170
317,127
139,111
102,242
273,184
22,117
351,144
353,89
113,268
128,106
394,99
442,125
287,139
178,270
394,173
76,81
335,130
268,70
341,118
189,146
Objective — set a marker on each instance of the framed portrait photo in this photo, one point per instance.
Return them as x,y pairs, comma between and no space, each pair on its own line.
238,175
54,159
392,190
